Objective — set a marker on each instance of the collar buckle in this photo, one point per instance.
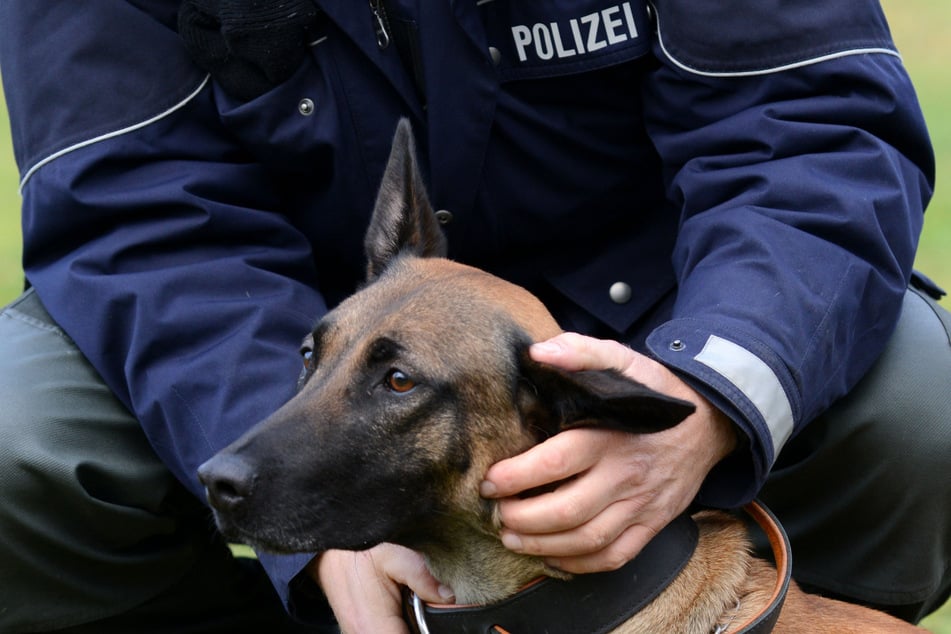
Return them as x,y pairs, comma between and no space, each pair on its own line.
419,613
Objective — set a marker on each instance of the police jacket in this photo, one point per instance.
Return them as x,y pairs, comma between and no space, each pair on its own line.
733,188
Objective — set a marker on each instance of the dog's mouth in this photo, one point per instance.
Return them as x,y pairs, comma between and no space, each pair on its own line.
273,544
310,525
233,491
236,533
280,537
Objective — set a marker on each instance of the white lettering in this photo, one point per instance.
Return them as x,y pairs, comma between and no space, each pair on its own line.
576,32
593,20
587,34
523,37
611,25
543,44
560,49
631,24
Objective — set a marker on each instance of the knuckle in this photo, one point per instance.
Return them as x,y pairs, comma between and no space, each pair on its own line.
614,558
595,539
554,462
572,512
638,469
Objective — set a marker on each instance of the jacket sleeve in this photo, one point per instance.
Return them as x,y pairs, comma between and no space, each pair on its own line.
796,154
151,237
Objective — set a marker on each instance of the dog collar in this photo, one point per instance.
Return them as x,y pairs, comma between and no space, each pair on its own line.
597,603
592,603
765,621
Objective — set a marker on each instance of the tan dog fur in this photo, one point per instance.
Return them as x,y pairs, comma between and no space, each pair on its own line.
344,439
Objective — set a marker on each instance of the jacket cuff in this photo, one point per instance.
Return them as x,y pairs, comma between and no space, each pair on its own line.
746,381
301,596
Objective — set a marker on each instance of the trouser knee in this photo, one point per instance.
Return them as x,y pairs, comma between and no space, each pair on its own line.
864,490
96,534
82,489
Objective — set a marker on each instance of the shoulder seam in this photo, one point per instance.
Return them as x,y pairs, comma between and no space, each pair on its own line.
110,135
769,70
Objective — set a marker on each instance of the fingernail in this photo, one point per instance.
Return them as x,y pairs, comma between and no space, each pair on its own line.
446,593
512,541
487,489
553,563
545,347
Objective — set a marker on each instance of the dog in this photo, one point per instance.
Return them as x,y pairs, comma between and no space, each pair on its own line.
411,389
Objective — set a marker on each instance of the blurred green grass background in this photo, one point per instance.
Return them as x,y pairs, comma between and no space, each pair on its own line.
922,30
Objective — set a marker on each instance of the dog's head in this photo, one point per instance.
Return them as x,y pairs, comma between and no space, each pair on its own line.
411,389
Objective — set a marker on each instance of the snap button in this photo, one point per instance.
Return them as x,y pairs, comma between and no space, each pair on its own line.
620,292
306,107
677,345
444,216
496,55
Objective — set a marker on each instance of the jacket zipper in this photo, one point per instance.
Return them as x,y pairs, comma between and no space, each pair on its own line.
380,23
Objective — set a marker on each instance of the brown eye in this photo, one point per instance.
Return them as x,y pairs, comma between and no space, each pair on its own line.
398,382
307,355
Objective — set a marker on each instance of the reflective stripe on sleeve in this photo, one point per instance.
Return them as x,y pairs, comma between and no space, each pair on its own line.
756,381
110,135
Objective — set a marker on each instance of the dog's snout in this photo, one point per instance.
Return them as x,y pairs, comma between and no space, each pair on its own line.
228,481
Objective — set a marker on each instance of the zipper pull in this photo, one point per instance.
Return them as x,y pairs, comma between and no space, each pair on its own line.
380,23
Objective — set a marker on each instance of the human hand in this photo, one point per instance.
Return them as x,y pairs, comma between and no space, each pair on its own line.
363,588
617,489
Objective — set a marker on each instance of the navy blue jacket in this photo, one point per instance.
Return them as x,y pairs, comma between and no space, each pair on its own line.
755,171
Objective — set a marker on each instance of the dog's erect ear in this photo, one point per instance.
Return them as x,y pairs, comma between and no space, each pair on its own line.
403,219
551,400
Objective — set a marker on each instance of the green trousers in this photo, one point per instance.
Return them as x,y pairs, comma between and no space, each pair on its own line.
864,492
97,536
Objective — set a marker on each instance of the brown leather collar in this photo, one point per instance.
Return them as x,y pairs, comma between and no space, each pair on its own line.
782,557
592,603
597,603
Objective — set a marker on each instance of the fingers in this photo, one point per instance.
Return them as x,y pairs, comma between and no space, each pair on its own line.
363,588
607,492
624,488
558,458
591,535
594,521
571,351
408,568
577,501
617,553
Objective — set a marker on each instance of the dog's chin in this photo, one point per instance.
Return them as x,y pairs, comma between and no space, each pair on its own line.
280,541
282,545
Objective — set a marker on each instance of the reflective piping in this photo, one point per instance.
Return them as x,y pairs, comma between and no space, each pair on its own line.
756,381
111,135
774,69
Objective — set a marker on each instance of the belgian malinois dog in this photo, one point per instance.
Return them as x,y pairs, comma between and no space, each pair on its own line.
412,388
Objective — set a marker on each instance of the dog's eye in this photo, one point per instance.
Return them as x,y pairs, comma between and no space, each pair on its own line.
309,363
307,355
397,381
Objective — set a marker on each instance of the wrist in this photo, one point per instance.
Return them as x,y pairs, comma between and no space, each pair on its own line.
725,433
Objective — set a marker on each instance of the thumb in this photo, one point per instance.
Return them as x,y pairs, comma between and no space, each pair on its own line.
572,351
407,567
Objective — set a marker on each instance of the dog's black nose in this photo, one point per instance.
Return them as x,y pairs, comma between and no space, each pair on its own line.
228,481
